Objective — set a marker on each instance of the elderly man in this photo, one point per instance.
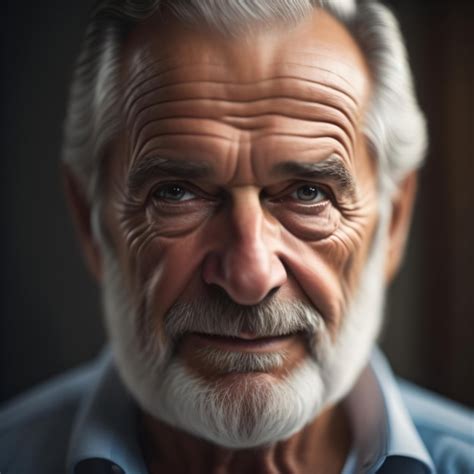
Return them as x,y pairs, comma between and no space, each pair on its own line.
242,175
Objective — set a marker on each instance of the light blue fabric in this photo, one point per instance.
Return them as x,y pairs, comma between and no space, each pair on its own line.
105,427
381,426
86,420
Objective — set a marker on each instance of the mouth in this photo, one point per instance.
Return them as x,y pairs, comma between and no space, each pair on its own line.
245,342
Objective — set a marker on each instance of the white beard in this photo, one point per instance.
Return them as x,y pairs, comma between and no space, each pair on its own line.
256,408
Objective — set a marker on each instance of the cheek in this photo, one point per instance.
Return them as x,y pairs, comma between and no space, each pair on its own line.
167,268
159,243
311,223
160,256
328,270
311,265
171,224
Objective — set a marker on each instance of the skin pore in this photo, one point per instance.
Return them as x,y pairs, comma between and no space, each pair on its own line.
242,166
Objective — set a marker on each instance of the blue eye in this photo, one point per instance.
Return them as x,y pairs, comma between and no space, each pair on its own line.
309,193
173,192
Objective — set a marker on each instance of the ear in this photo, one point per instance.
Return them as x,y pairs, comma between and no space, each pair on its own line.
402,207
81,212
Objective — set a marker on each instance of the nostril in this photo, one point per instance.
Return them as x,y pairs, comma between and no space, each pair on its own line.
217,292
211,270
272,293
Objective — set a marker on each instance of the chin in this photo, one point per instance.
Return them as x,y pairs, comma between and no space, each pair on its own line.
245,411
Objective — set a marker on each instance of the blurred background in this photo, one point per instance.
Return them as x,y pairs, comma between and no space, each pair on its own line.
50,317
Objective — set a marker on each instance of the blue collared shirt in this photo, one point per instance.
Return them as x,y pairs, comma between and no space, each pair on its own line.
86,423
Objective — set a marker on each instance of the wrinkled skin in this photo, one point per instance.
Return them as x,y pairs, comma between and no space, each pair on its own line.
241,164
196,97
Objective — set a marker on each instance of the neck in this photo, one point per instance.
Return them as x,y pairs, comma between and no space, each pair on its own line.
321,447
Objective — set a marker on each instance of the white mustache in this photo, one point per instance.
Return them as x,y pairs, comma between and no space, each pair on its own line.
218,315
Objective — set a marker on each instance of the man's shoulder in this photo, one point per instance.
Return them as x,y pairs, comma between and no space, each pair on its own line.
35,427
446,427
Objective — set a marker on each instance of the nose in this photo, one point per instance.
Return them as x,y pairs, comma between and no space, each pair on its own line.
245,263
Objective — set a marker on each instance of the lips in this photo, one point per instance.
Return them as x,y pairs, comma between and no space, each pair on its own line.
246,342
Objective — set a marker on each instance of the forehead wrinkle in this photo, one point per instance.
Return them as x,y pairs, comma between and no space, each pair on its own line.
276,106
328,126
349,95
334,102
254,87
138,69
138,121
313,139
283,144
324,130
130,87
230,112
137,152
157,73
350,67
173,65
277,120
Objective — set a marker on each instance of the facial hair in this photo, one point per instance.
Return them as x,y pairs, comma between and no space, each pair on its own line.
253,408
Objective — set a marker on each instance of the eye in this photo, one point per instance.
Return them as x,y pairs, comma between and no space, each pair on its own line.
173,192
309,193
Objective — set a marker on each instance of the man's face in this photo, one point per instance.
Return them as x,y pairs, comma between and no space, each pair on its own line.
241,180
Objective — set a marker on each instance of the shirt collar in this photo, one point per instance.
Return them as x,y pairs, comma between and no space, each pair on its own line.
104,437
382,428
105,430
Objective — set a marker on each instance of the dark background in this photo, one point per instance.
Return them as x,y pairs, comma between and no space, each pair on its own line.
50,317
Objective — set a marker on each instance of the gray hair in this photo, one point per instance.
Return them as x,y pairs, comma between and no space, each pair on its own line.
394,126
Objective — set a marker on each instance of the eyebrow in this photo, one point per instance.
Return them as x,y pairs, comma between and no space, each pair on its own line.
153,166
330,169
